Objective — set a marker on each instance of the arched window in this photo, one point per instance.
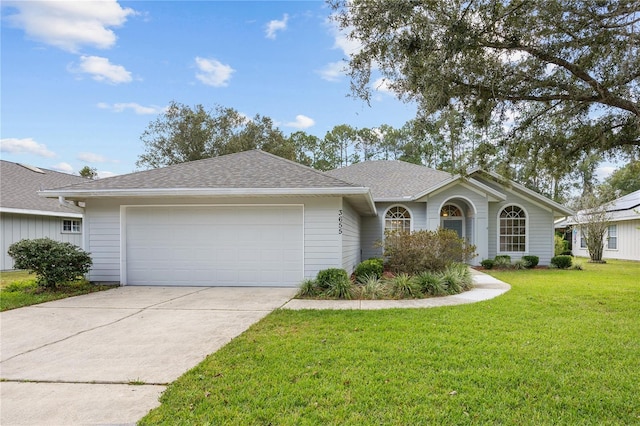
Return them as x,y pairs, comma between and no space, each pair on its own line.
513,229
450,210
397,219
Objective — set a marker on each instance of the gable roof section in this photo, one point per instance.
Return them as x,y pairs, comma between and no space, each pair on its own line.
628,202
19,186
515,187
391,180
623,208
248,173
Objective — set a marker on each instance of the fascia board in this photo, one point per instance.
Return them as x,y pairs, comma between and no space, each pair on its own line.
39,212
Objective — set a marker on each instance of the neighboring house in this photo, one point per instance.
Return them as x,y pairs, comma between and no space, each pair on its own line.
623,234
255,219
24,214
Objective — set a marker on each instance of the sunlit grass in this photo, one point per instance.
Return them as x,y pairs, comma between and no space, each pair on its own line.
562,347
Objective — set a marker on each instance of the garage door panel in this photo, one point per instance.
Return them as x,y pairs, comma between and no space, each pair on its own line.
215,245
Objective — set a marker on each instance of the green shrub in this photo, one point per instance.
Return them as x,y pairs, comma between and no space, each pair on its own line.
457,278
308,288
403,286
561,261
520,264
532,261
419,251
370,267
502,262
431,284
326,277
53,262
560,245
487,263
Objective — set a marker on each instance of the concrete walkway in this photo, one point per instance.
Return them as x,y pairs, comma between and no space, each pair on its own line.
485,287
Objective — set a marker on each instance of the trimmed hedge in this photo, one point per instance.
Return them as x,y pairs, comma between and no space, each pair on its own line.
532,261
487,263
370,267
561,262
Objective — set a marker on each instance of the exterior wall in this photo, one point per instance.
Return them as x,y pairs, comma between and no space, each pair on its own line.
350,237
476,223
539,234
15,227
322,247
628,242
372,227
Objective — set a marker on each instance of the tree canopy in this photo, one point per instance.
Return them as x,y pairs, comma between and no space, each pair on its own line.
566,64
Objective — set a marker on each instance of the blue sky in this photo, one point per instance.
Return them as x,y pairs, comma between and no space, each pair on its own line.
82,80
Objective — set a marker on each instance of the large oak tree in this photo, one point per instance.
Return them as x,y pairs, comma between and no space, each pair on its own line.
574,63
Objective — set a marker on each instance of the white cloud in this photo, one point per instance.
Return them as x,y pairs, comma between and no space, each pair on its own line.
213,72
275,25
135,107
382,85
63,167
341,40
90,157
25,146
302,122
102,70
604,172
333,71
69,24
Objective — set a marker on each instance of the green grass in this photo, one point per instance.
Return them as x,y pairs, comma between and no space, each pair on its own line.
561,348
19,289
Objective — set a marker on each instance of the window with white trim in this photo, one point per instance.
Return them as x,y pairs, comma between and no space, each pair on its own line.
583,239
71,226
513,230
612,237
397,218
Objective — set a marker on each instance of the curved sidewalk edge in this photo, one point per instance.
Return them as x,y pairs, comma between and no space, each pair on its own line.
485,287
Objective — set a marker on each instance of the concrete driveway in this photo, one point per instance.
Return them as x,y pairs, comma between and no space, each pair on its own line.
104,358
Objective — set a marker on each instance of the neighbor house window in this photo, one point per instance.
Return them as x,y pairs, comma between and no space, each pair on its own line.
583,239
612,240
397,219
73,226
513,229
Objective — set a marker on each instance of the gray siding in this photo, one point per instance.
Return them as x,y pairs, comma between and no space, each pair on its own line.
350,238
539,229
15,227
322,247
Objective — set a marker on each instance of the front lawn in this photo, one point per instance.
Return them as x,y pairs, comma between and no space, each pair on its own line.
19,289
562,347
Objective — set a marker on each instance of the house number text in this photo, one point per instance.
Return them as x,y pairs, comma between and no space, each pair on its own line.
339,221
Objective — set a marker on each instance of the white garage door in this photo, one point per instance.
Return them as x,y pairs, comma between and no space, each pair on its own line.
214,245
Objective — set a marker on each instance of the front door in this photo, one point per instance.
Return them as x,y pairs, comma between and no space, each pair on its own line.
454,224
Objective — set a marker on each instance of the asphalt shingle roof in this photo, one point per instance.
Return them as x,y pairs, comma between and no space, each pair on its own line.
19,186
248,169
391,179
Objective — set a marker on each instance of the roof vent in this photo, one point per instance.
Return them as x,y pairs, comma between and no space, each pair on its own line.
32,168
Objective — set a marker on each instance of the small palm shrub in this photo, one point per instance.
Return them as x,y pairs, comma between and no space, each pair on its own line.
371,287
308,288
532,261
403,286
520,264
370,267
561,262
487,263
431,284
53,262
502,262
340,289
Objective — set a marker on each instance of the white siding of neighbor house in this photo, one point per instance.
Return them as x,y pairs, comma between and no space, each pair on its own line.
628,242
322,242
373,227
15,227
350,238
